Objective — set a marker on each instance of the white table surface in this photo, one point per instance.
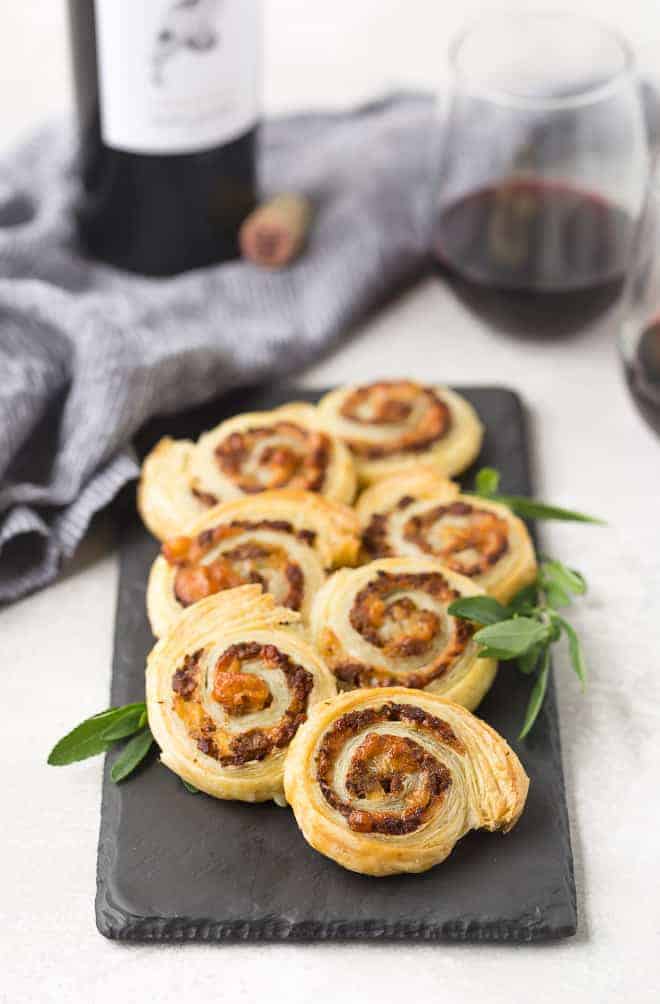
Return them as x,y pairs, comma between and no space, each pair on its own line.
592,451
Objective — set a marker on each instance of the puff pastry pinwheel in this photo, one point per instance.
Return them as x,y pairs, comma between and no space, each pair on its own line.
228,689
386,624
245,455
386,781
420,513
397,424
282,540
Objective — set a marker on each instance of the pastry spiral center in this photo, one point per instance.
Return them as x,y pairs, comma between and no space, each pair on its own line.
403,615
468,539
414,417
275,456
399,628
392,783
245,680
207,564
240,693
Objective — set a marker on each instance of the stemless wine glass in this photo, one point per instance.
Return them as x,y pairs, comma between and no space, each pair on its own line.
545,161
639,339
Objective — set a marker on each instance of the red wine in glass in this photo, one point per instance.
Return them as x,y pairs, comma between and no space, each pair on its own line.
643,374
533,256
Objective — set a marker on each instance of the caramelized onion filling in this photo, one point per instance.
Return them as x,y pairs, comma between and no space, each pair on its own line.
466,538
250,561
401,628
238,692
282,455
469,540
421,416
394,783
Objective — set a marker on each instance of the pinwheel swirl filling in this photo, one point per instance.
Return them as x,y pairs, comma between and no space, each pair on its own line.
282,455
402,629
238,691
469,540
200,574
417,418
393,783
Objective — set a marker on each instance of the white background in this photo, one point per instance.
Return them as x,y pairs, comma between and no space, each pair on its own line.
592,451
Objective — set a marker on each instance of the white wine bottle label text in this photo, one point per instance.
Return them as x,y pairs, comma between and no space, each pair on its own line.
177,76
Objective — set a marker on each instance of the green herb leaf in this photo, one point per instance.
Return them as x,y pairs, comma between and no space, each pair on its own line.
132,755
530,509
556,597
511,638
487,481
555,627
575,651
481,609
528,661
72,748
93,736
190,787
129,719
524,601
492,653
537,696
567,579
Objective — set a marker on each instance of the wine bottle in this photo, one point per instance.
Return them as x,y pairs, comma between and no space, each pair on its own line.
167,100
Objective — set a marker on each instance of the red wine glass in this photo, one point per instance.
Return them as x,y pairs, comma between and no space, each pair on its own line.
544,166
639,338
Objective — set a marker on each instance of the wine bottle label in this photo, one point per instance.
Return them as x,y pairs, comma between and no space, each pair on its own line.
177,76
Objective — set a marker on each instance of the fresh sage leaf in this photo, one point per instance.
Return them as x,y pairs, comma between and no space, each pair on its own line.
565,578
93,736
64,753
125,724
487,481
512,637
537,696
556,597
555,628
530,509
132,755
481,609
528,661
524,601
493,653
575,651
190,787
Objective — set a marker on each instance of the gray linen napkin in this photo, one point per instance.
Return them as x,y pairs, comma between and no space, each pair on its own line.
88,354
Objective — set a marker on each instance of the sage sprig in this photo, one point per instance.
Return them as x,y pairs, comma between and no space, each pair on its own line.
100,732
527,627
487,482
132,754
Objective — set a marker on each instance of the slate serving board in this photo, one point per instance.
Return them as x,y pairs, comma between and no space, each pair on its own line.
173,866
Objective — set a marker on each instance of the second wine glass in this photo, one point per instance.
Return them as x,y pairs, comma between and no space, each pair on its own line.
545,160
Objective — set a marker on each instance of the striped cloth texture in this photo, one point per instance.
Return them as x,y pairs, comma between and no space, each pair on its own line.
89,353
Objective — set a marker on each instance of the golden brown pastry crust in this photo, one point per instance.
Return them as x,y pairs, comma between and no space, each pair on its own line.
284,540
164,499
243,456
395,425
386,624
388,780
226,691
420,513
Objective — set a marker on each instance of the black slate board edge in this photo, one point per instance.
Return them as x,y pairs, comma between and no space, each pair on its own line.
118,926
114,921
